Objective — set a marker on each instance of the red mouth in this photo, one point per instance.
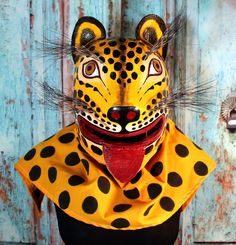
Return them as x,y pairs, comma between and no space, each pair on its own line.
123,152
145,135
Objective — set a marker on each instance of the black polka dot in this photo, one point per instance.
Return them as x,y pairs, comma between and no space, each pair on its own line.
107,51
117,66
75,180
89,117
167,203
148,210
134,75
86,98
120,223
64,199
159,95
112,43
156,169
174,179
119,81
102,59
86,165
142,68
200,168
148,149
181,150
154,101
129,66
136,178
102,44
30,154
72,159
104,184
81,148
66,138
122,207
123,74
52,174
96,150
48,151
90,205
154,190
80,93
110,60
136,60
128,80
132,194
104,69
139,50
35,173
92,104
113,75
116,53
132,44
130,54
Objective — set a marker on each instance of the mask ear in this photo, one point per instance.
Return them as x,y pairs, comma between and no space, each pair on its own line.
150,29
87,29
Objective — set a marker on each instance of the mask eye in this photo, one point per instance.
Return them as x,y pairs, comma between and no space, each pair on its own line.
155,68
90,69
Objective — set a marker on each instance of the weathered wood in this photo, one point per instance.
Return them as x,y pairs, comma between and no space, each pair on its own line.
16,223
204,51
215,214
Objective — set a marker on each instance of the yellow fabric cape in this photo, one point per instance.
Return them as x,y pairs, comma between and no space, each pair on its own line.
80,185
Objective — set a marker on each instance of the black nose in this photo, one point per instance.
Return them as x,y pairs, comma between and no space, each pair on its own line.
123,114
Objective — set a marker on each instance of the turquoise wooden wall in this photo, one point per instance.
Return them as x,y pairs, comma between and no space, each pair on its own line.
204,51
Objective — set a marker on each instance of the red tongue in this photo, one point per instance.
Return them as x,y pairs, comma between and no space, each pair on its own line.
123,161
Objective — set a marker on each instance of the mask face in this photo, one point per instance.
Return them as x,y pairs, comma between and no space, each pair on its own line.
124,87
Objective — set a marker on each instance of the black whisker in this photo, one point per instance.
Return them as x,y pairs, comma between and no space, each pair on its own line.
194,98
55,99
61,48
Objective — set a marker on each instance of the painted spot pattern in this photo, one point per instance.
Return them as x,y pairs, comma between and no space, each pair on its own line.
123,69
71,196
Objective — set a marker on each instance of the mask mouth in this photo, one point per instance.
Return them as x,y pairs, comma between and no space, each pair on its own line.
123,152
144,136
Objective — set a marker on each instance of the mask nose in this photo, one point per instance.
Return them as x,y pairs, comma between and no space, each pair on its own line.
123,114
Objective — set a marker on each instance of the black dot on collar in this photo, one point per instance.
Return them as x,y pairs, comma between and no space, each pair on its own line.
90,205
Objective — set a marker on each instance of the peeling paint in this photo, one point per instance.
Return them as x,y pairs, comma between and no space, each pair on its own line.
203,118
10,101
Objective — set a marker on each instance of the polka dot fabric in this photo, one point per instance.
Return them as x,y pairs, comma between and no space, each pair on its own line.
81,186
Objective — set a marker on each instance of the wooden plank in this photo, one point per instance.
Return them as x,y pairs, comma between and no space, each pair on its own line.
45,23
16,223
134,11
215,215
188,121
